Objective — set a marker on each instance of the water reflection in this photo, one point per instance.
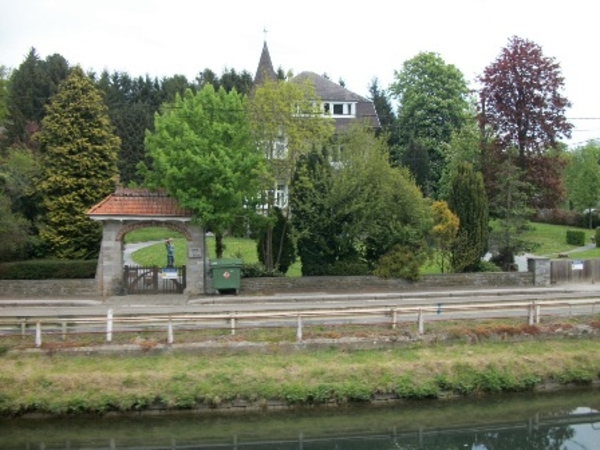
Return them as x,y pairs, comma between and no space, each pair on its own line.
549,422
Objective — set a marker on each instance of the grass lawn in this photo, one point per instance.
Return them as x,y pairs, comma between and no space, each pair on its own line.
550,240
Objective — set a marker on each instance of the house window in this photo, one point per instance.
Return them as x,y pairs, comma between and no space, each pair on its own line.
338,109
326,108
281,196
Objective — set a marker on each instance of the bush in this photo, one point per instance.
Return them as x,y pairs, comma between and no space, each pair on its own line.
576,237
399,262
349,268
560,217
48,269
258,270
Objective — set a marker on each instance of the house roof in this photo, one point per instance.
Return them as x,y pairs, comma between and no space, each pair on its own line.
138,203
328,91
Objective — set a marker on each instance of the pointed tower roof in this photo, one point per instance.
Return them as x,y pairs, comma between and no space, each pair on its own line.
265,69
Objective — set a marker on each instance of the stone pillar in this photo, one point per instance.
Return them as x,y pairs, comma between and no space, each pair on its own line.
197,262
110,261
541,268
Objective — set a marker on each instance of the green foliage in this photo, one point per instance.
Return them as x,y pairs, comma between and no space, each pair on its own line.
357,209
443,233
48,269
575,237
14,231
203,155
400,262
283,249
597,237
79,167
582,177
31,86
257,270
510,207
467,199
433,104
287,124
4,76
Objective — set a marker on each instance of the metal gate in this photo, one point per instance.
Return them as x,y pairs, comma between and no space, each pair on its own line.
153,280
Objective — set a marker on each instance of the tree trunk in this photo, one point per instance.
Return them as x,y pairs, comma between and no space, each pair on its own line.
219,244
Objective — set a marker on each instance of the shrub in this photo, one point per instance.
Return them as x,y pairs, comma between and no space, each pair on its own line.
576,237
257,270
399,262
350,268
559,217
48,269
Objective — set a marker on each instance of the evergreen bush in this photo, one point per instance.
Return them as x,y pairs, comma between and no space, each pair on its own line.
576,237
48,269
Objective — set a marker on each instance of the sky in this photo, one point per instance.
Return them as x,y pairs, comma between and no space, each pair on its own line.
351,40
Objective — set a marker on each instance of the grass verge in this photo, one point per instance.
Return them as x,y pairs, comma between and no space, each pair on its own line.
53,383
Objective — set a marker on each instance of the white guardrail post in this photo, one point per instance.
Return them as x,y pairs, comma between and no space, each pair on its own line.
421,322
109,325
38,334
299,328
170,332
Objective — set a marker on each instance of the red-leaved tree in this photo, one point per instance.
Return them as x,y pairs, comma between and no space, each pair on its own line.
522,105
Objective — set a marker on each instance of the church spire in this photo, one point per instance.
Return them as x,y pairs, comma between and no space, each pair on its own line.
265,69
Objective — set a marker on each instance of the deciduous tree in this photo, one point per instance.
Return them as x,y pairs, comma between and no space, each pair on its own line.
433,103
203,155
583,178
287,124
521,101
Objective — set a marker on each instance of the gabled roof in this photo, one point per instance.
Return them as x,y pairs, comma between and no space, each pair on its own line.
328,91
138,203
265,69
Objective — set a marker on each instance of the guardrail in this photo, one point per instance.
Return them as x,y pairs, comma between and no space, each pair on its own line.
384,316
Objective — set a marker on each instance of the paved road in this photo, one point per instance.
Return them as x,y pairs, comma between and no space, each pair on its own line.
180,304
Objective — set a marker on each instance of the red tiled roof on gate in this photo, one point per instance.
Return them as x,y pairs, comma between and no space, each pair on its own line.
140,203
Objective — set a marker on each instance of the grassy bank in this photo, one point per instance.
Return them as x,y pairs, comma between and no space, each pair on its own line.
57,384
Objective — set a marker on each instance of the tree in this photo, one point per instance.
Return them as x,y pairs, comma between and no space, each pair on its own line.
521,102
433,103
13,231
203,155
287,124
385,113
512,213
284,249
467,199
31,86
4,77
583,178
443,233
79,167
351,212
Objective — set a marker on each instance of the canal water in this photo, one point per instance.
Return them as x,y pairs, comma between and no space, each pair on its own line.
569,420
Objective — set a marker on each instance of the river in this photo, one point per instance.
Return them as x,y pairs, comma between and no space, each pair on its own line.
568,420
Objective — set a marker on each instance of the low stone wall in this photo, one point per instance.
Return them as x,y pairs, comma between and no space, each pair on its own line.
369,283
81,288
249,286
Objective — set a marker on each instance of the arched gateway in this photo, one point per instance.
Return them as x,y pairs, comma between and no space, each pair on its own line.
129,209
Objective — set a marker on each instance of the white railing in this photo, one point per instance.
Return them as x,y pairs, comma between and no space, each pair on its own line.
298,319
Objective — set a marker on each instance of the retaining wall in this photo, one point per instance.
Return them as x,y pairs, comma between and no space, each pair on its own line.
81,288
89,288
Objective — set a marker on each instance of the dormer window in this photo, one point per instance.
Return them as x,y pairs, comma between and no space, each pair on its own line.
339,109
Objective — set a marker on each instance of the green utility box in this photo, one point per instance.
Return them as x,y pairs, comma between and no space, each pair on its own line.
226,274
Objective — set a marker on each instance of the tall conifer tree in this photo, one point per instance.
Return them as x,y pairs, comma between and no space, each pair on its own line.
79,167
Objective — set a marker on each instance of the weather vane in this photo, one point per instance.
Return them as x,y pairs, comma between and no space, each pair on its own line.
265,32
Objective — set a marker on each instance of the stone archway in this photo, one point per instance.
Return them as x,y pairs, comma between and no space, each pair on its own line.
128,209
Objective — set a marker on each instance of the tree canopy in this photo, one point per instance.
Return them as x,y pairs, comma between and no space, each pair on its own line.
203,155
521,102
433,103
79,167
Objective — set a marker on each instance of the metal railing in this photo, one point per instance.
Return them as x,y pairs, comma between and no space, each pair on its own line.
232,322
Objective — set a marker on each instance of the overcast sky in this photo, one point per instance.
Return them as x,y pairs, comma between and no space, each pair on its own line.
352,40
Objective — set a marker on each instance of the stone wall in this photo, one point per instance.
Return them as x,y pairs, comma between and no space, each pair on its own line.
85,288
251,286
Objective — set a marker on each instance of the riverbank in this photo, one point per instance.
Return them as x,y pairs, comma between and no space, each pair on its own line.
51,383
